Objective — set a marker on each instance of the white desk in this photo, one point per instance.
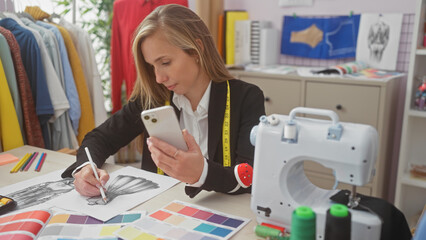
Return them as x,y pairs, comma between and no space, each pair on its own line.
238,205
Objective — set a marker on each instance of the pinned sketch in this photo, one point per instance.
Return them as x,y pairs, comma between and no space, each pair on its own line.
122,185
321,38
38,192
378,40
127,188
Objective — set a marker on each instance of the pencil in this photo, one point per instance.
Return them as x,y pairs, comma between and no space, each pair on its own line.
41,161
101,189
26,162
19,164
28,165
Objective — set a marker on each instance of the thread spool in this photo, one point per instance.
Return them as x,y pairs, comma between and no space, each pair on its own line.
303,224
264,231
290,131
338,223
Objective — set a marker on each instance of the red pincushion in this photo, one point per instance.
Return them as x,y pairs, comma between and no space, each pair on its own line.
244,174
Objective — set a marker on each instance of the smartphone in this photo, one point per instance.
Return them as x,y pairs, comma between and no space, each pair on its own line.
163,124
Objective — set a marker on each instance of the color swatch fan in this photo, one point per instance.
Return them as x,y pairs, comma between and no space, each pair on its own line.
180,220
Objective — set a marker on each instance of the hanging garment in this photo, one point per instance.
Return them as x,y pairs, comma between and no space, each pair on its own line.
57,95
127,15
87,121
323,38
31,123
9,71
69,83
85,50
69,138
51,46
58,125
9,126
31,58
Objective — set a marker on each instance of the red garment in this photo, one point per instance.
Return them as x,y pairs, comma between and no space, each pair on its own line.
31,124
127,15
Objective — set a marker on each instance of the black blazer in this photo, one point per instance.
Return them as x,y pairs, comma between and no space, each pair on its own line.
247,105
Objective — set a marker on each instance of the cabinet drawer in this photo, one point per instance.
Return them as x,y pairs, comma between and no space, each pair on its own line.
353,103
327,182
281,96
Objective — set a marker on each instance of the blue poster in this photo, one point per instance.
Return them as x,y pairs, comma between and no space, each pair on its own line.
322,38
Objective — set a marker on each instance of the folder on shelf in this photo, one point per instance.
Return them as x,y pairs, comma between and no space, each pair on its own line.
230,18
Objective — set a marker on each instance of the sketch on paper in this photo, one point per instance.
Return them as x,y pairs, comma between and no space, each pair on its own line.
41,193
122,185
127,188
378,40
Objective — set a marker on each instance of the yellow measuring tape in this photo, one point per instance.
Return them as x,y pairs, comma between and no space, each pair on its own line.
226,132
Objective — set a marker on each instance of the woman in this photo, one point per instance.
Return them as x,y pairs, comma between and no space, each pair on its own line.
177,62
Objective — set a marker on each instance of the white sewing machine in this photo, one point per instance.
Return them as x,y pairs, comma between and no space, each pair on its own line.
280,185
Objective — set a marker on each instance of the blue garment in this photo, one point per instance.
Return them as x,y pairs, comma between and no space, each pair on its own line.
339,37
70,88
30,53
421,229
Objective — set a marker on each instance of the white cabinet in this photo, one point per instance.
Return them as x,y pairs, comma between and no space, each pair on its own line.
410,195
369,102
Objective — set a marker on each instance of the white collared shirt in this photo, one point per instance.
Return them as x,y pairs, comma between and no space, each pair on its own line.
196,122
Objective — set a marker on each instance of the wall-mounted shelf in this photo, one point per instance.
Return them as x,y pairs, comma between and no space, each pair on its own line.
410,195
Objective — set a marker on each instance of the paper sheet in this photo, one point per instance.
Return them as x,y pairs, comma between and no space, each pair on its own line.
127,188
378,40
38,192
6,158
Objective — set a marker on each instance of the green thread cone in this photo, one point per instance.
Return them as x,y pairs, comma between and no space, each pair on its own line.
303,224
263,231
339,210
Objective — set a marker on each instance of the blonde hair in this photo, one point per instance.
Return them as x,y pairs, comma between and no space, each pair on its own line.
184,29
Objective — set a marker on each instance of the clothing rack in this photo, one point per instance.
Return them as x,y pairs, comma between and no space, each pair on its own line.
9,6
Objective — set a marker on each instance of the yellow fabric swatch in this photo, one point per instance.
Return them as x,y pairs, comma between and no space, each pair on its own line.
87,120
230,18
10,132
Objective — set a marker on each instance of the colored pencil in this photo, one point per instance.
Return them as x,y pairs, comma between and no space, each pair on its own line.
23,163
41,163
19,164
26,162
31,161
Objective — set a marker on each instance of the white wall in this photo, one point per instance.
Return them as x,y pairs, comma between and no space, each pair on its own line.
270,10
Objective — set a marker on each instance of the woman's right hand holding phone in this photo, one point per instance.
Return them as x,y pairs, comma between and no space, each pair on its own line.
86,183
